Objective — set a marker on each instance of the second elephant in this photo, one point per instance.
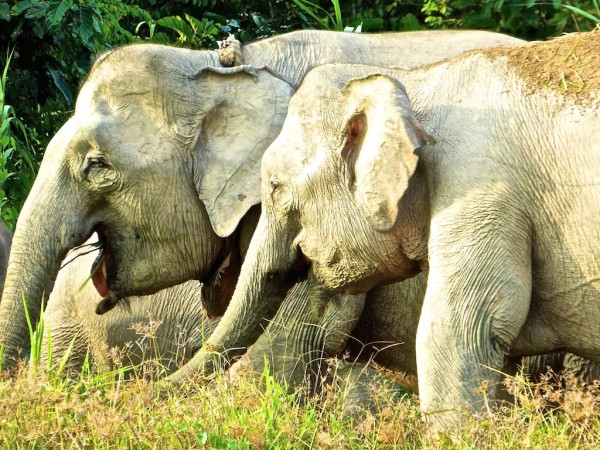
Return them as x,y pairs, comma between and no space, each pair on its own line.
363,186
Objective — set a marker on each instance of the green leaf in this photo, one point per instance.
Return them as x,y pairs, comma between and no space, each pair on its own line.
338,15
196,24
5,11
86,27
178,24
37,10
19,8
217,18
160,38
61,84
582,13
57,10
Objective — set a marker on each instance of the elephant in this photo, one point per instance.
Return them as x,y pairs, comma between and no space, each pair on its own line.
486,179
170,326
157,159
5,243
386,334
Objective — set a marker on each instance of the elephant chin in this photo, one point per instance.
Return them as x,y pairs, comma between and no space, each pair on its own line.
107,303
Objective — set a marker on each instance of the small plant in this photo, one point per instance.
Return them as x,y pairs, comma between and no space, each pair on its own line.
18,165
36,336
191,32
323,18
594,18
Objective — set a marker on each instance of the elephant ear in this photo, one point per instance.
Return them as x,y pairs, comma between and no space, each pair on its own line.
248,107
380,138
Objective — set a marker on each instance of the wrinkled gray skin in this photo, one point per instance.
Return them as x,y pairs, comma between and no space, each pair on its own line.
495,203
387,329
5,243
162,158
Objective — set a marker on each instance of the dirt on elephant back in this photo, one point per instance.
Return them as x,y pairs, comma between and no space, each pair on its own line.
568,64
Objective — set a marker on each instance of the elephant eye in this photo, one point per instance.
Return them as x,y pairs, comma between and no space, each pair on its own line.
98,173
95,162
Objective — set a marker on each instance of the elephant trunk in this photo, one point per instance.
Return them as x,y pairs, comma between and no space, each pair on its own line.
42,238
257,297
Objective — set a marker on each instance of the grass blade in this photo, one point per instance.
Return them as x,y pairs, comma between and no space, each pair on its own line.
582,13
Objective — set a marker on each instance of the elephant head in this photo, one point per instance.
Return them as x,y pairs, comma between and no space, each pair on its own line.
161,159
340,184
340,190
347,194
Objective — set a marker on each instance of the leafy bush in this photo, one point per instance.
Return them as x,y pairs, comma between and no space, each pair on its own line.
528,19
54,42
18,163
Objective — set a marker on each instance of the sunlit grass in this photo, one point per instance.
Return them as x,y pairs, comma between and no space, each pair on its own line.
109,411
52,408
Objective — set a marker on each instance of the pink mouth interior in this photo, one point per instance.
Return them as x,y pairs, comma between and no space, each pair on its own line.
98,270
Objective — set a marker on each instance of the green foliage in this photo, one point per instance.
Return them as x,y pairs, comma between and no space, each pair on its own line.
191,32
325,20
528,19
18,163
594,17
54,43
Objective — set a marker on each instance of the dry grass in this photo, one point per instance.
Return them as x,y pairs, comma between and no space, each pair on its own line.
567,64
107,411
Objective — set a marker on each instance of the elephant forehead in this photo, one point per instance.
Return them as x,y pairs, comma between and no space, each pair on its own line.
292,150
114,97
153,76
138,64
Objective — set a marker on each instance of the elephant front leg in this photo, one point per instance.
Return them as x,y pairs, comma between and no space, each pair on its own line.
477,300
300,336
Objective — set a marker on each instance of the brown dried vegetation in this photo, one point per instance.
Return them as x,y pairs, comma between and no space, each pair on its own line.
569,64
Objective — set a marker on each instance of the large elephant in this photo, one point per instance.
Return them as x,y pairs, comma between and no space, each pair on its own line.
161,158
489,181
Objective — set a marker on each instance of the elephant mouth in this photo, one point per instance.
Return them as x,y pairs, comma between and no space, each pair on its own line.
99,276
98,269
300,267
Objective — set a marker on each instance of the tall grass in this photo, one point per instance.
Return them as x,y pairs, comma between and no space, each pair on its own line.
323,18
595,17
109,410
95,411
